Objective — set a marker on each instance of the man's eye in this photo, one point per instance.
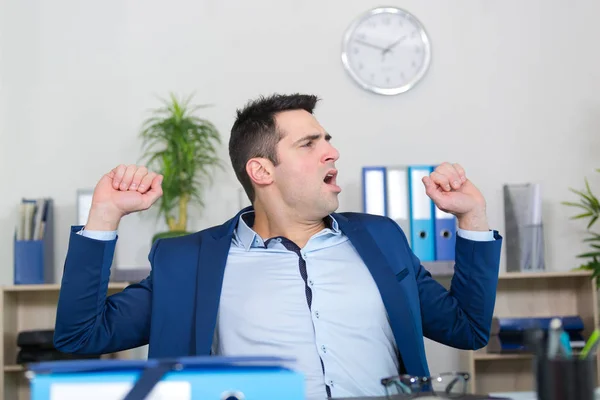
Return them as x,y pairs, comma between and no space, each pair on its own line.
308,144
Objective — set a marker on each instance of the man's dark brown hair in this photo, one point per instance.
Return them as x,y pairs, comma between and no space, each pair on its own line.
255,134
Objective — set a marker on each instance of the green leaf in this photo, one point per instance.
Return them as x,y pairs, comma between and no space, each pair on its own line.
595,237
587,255
571,204
586,200
592,198
594,219
584,215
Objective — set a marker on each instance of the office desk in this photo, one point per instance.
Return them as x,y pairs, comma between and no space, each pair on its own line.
530,395
424,396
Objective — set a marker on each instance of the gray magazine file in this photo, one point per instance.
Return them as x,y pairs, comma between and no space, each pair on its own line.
524,228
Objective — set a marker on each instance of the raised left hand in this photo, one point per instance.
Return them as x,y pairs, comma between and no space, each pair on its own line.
452,192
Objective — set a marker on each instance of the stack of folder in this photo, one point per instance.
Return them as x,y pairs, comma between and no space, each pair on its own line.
185,378
508,335
398,193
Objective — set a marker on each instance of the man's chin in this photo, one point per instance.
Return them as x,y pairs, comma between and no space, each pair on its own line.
333,205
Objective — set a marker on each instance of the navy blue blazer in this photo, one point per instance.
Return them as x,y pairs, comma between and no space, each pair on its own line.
174,309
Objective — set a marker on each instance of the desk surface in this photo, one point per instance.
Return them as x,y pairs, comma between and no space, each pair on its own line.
425,396
530,395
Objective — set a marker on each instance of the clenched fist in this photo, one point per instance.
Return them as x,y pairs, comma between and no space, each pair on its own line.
452,192
124,190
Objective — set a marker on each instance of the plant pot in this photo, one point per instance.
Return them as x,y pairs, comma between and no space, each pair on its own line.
169,234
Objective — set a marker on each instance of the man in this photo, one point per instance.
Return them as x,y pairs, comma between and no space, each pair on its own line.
340,292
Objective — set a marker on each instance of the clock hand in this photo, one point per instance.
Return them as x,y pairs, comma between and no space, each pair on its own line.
369,44
394,44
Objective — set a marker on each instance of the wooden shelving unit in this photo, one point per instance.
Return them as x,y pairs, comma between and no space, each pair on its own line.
543,294
27,307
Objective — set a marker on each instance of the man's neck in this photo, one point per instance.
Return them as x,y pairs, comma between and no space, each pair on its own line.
273,224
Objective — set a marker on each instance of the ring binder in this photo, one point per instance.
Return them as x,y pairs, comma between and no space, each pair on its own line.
195,377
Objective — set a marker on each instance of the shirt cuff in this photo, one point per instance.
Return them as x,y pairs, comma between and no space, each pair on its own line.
98,235
477,236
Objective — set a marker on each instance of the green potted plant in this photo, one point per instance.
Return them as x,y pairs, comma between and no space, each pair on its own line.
590,208
181,146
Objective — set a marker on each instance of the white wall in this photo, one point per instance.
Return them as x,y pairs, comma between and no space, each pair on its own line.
512,94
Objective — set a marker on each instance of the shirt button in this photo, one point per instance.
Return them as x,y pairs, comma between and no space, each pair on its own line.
330,383
324,349
310,283
278,240
317,314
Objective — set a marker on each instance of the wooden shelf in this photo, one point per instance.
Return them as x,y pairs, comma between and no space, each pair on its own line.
14,368
545,275
497,357
540,294
27,307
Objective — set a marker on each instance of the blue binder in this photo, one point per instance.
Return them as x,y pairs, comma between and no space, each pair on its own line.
186,378
445,235
422,221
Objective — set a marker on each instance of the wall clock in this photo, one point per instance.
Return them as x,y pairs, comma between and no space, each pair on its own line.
386,51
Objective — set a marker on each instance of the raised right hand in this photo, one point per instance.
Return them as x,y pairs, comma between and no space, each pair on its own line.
124,190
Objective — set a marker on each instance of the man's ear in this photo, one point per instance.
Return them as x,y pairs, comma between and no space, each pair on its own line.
260,171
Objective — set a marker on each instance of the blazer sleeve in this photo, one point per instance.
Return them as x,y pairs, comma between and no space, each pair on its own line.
87,320
461,317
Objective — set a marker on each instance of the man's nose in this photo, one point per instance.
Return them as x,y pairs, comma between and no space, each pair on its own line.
331,154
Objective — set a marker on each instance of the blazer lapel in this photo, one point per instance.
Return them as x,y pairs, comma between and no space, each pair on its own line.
212,258
209,280
394,298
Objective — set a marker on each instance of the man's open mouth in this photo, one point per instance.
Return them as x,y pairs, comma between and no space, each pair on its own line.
330,177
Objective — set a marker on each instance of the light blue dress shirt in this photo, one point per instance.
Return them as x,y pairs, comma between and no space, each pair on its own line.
343,342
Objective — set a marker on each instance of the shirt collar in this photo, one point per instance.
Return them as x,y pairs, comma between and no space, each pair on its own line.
248,238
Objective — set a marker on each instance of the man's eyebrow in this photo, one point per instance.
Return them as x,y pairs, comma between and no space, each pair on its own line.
313,136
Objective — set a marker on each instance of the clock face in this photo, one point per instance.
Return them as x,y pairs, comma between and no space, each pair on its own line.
386,51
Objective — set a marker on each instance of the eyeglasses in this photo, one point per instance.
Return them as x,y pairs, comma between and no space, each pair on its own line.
450,384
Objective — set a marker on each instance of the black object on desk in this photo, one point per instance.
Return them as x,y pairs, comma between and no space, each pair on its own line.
565,379
423,395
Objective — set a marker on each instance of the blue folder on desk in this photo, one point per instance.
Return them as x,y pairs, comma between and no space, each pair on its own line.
187,378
